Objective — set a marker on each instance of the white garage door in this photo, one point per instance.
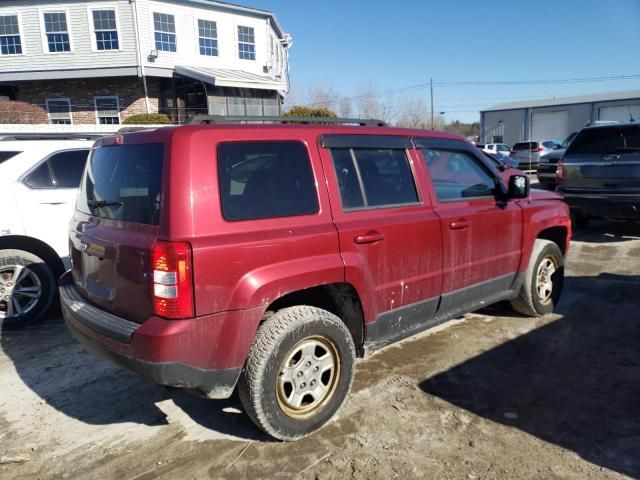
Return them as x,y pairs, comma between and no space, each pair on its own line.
620,113
550,125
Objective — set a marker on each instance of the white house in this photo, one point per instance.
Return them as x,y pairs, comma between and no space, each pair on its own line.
99,61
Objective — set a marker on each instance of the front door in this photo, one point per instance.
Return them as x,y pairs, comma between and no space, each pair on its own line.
482,236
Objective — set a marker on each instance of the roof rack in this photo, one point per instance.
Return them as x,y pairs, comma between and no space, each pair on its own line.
220,119
50,136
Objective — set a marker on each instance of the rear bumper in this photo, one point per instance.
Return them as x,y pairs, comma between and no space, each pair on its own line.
205,353
624,207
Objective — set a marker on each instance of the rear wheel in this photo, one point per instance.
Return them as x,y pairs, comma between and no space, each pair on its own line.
298,373
543,280
27,288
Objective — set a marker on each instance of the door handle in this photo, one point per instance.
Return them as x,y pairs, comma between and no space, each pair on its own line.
369,237
460,224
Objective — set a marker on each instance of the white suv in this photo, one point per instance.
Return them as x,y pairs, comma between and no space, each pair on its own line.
39,181
500,149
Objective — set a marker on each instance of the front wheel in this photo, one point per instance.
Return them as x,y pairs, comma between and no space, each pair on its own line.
543,280
27,288
298,373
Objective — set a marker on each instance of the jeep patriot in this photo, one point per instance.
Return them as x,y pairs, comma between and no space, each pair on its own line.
268,257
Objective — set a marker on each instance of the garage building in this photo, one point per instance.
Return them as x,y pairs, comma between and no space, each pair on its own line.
555,118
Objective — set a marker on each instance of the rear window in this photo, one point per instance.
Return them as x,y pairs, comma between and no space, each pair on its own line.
525,146
265,180
122,182
603,140
4,155
550,144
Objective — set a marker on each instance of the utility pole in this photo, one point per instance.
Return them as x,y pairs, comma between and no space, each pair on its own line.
431,87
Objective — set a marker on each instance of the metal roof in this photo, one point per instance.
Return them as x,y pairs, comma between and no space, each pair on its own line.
550,102
231,78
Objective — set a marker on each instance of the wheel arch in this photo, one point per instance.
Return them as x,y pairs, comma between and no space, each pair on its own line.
557,235
35,247
341,299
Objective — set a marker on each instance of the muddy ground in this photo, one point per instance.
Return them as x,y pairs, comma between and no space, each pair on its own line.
488,396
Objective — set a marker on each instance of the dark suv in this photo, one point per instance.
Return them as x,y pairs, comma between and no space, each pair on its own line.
599,174
268,257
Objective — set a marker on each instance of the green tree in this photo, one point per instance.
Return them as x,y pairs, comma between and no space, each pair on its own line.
302,111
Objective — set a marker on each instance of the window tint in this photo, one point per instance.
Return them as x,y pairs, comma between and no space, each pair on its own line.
40,177
4,155
373,177
456,175
123,182
525,146
603,140
265,180
67,168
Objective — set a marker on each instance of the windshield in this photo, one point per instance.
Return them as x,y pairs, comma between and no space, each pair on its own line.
604,140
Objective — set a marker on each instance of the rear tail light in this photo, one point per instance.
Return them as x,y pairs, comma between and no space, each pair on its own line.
560,172
537,150
172,282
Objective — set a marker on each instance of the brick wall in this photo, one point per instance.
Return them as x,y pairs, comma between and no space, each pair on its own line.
81,92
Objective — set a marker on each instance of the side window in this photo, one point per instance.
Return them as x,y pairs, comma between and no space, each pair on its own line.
61,170
456,175
373,178
40,177
265,180
67,168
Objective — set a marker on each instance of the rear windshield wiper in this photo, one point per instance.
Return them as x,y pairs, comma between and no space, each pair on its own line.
104,203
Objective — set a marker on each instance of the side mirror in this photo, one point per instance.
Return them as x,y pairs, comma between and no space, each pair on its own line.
518,186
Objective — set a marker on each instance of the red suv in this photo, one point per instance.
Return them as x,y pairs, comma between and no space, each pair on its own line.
268,257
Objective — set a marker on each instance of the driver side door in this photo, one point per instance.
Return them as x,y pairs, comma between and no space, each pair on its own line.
481,236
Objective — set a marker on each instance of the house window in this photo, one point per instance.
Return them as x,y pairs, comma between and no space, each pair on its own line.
59,111
165,32
105,29
208,38
55,26
107,110
10,43
246,43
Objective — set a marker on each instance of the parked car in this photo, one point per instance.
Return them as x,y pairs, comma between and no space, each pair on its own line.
599,174
268,257
500,149
39,178
528,154
548,163
503,164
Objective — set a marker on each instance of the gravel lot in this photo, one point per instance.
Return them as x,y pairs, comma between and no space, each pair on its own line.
486,396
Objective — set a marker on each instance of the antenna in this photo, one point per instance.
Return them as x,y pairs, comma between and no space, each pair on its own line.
630,114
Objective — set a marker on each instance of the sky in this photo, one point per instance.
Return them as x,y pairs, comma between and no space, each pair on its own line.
349,45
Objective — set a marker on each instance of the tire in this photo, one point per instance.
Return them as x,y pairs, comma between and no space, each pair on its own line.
36,288
578,220
537,296
280,399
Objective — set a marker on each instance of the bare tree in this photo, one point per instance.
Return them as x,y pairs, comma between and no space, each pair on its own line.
22,113
345,107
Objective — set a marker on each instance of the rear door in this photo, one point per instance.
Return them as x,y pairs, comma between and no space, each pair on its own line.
46,194
604,159
390,238
115,225
482,238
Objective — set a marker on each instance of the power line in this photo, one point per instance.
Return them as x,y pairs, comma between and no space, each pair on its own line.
481,83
